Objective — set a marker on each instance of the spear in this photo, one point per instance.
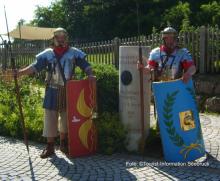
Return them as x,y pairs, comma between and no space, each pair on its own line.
142,142
17,90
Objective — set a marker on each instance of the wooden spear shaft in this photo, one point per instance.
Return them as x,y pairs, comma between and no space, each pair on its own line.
142,102
17,90
141,86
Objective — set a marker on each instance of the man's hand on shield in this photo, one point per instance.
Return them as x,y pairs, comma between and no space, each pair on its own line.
188,74
186,77
92,79
92,82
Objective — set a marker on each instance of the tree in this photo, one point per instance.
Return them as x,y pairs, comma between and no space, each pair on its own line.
178,15
94,20
210,14
52,16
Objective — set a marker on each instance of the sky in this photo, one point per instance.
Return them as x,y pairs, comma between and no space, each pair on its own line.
18,9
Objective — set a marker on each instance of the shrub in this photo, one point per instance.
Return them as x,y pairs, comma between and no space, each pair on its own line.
10,123
107,87
111,133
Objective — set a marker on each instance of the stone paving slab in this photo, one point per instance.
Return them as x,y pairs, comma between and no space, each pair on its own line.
16,164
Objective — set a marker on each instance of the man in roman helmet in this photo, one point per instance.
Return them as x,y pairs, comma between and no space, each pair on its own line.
60,61
169,61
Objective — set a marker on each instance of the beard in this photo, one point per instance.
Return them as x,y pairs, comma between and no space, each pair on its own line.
170,45
60,43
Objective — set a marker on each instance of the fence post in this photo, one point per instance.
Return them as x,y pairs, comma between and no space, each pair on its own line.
4,55
203,49
116,51
6,63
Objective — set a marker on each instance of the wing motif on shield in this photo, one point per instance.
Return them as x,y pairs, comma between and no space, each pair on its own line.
82,108
87,127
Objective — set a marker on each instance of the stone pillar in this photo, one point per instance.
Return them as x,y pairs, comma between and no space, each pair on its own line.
129,94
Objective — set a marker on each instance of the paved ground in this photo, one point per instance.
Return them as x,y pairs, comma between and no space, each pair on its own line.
15,164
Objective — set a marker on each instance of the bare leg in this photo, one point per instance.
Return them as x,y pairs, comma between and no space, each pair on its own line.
63,136
50,139
50,131
63,143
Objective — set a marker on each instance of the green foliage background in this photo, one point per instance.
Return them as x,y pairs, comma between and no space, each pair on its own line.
93,20
111,133
31,96
107,87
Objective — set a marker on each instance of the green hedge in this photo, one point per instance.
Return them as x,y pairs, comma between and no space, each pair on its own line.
111,133
31,97
107,87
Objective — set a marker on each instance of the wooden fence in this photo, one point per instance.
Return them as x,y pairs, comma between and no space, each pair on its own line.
203,43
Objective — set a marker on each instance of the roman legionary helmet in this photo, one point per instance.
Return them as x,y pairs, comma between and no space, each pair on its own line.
169,31
59,31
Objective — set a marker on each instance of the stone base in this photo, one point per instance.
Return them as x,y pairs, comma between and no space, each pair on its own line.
207,89
209,104
213,104
207,84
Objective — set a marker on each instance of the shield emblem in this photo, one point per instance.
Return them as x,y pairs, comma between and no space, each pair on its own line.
81,101
179,122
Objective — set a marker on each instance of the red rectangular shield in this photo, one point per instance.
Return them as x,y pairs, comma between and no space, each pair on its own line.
81,101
